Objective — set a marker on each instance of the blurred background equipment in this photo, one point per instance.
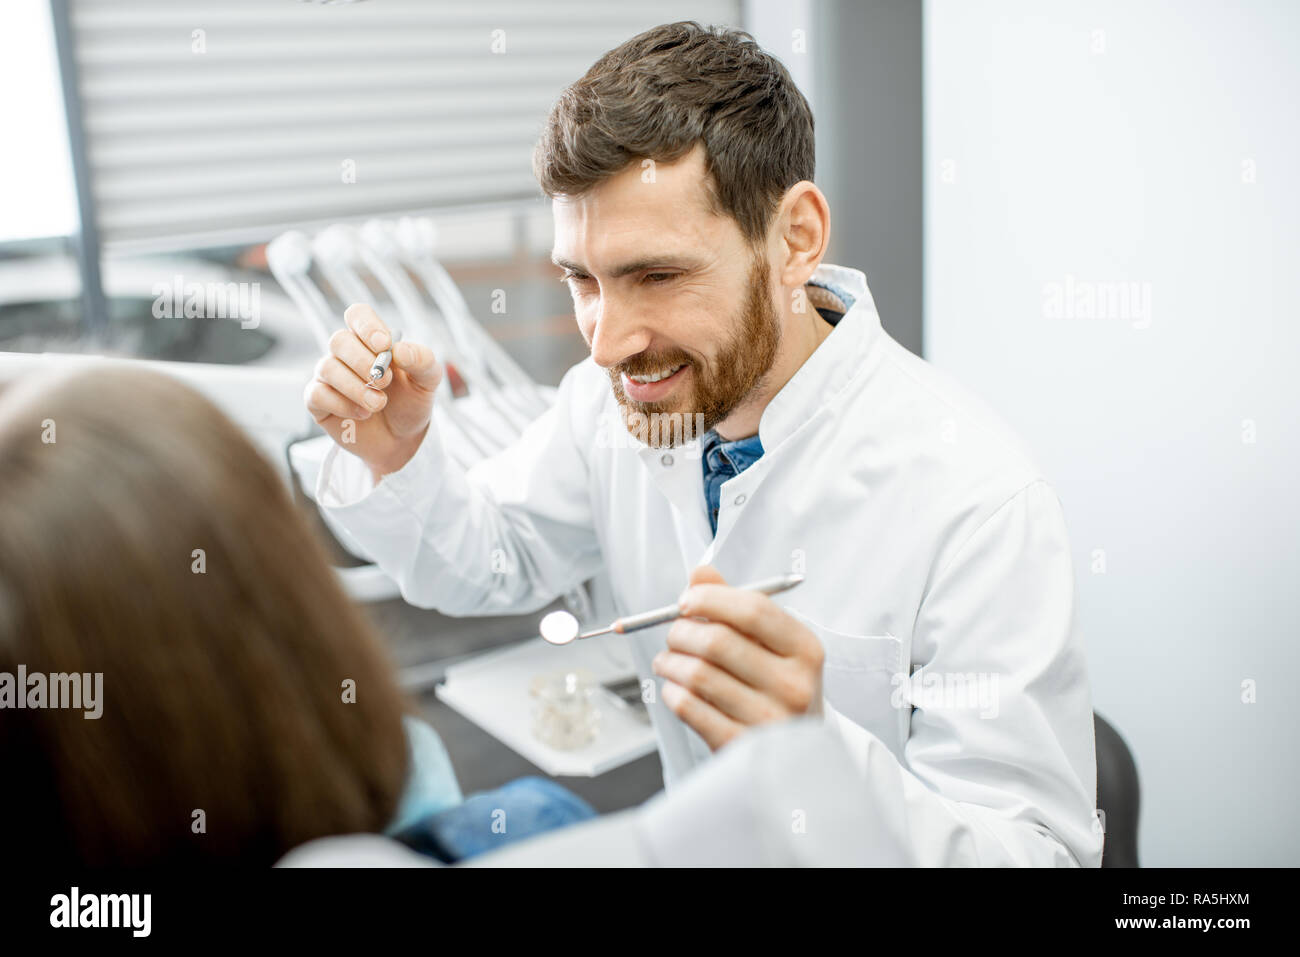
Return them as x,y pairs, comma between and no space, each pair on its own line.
484,401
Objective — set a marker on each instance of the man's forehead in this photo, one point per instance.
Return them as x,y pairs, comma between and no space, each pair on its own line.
666,204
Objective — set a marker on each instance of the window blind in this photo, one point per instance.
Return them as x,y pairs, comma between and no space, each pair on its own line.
239,118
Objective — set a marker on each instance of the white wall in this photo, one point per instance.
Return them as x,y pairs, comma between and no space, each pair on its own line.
1072,144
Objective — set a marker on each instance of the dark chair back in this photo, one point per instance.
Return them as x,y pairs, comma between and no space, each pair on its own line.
1118,797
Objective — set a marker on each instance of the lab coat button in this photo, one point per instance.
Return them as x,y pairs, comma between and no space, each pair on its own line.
667,460
740,499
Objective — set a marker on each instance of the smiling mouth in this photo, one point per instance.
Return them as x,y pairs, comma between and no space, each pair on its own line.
655,386
655,376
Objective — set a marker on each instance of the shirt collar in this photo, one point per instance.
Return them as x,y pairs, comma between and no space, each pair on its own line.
740,454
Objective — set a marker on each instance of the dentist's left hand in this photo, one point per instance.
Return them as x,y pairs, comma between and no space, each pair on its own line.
736,659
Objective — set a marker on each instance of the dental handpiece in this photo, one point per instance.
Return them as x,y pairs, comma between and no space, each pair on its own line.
560,627
384,360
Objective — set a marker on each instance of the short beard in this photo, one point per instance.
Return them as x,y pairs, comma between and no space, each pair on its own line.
742,366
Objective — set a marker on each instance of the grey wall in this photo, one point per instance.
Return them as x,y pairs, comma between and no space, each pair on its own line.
867,73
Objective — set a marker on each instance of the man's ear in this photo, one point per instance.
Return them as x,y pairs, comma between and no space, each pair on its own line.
804,219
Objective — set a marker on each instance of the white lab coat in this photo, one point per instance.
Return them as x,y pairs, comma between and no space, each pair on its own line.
930,542
783,795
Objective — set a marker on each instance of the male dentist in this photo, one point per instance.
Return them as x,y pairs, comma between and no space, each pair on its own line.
933,634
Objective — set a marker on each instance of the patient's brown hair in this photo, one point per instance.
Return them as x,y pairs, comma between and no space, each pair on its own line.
223,683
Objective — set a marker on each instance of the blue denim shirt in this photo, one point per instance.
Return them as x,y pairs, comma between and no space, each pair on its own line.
723,460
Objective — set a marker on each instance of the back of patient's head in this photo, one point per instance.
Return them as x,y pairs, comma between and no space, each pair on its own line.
142,536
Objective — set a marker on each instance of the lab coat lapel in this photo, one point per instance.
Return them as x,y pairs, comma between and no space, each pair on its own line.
679,476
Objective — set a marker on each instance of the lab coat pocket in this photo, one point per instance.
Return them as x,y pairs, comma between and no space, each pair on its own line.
862,678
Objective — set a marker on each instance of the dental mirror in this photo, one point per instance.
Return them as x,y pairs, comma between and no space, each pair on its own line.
559,628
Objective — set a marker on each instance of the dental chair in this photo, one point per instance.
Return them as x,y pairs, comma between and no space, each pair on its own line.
1118,796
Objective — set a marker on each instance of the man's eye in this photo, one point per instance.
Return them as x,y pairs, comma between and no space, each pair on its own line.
574,277
658,278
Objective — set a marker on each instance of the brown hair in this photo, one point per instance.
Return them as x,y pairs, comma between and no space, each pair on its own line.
222,686
665,90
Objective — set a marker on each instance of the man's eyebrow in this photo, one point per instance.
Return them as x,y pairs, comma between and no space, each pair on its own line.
567,264
635,266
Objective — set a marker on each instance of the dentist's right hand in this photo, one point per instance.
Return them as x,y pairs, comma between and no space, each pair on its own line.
389,419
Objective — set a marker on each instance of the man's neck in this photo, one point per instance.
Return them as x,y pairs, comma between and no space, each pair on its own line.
743,422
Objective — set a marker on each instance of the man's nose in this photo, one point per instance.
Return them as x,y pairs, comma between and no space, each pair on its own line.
618,334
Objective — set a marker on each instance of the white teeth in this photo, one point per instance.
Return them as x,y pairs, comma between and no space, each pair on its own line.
647,379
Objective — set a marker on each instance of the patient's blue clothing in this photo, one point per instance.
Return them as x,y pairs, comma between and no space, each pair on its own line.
431,784
490,820
433,817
